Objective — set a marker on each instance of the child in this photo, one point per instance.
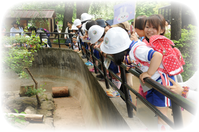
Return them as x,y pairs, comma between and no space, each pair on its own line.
139,29
96,34
75,44
153,26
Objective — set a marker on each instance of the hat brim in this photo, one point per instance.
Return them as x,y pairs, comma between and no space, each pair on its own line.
115,51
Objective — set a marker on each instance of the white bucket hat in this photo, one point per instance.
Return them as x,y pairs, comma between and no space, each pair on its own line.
85,16
95,33
74,27
115,41
77,22
84,26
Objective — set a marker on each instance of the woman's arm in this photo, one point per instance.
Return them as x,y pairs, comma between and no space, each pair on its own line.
11,30
193,95
193,81
66,31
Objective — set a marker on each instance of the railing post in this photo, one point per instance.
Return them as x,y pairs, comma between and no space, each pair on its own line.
40,38
87,53
177,115
126,92
93,58
104,70
58,41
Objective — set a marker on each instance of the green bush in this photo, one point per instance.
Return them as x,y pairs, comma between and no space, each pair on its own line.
31,92
188,46
32,40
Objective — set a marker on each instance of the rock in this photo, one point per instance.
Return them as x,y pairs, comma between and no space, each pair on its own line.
45,112
47,105
46,97
30,110
20,103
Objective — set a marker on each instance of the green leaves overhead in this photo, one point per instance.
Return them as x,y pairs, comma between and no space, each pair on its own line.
188,45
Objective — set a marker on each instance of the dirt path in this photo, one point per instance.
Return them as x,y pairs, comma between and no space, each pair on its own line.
68,114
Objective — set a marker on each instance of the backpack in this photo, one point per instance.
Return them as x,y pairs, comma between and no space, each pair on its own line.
172,58
46,31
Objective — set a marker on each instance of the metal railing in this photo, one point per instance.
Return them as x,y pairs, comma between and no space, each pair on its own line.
41,36
177,101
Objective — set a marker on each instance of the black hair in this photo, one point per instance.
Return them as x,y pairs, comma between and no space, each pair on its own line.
32,28
168,22
156,21
89,24
139,22
119,57
103,34
70,22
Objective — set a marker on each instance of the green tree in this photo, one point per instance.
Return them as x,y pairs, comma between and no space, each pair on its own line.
176,23
161,3
145,8
68,14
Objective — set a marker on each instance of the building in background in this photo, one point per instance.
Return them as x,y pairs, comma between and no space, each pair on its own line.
186,19
38,18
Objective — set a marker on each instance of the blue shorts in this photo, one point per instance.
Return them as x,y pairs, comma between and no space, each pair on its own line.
96,54
156,98
84,44
113,67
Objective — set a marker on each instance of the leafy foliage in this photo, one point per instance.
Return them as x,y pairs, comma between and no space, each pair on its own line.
33,41
18,58
105,10
10,121
161,3
188,45
145,8
31,92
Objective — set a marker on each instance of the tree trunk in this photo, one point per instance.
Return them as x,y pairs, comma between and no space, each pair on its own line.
36,83
60,91
176,20
68,14
1,10
82,7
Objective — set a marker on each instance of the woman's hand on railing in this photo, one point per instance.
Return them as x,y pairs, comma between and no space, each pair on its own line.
176,87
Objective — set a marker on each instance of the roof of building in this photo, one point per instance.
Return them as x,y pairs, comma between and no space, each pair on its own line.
30,14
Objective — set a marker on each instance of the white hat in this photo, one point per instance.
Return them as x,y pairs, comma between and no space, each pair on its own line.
77,22
85,16
84,26
115,41
95,33
74,27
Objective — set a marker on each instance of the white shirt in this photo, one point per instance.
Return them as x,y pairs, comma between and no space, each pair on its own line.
144,53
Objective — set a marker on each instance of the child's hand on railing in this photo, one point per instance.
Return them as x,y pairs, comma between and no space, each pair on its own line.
144,75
